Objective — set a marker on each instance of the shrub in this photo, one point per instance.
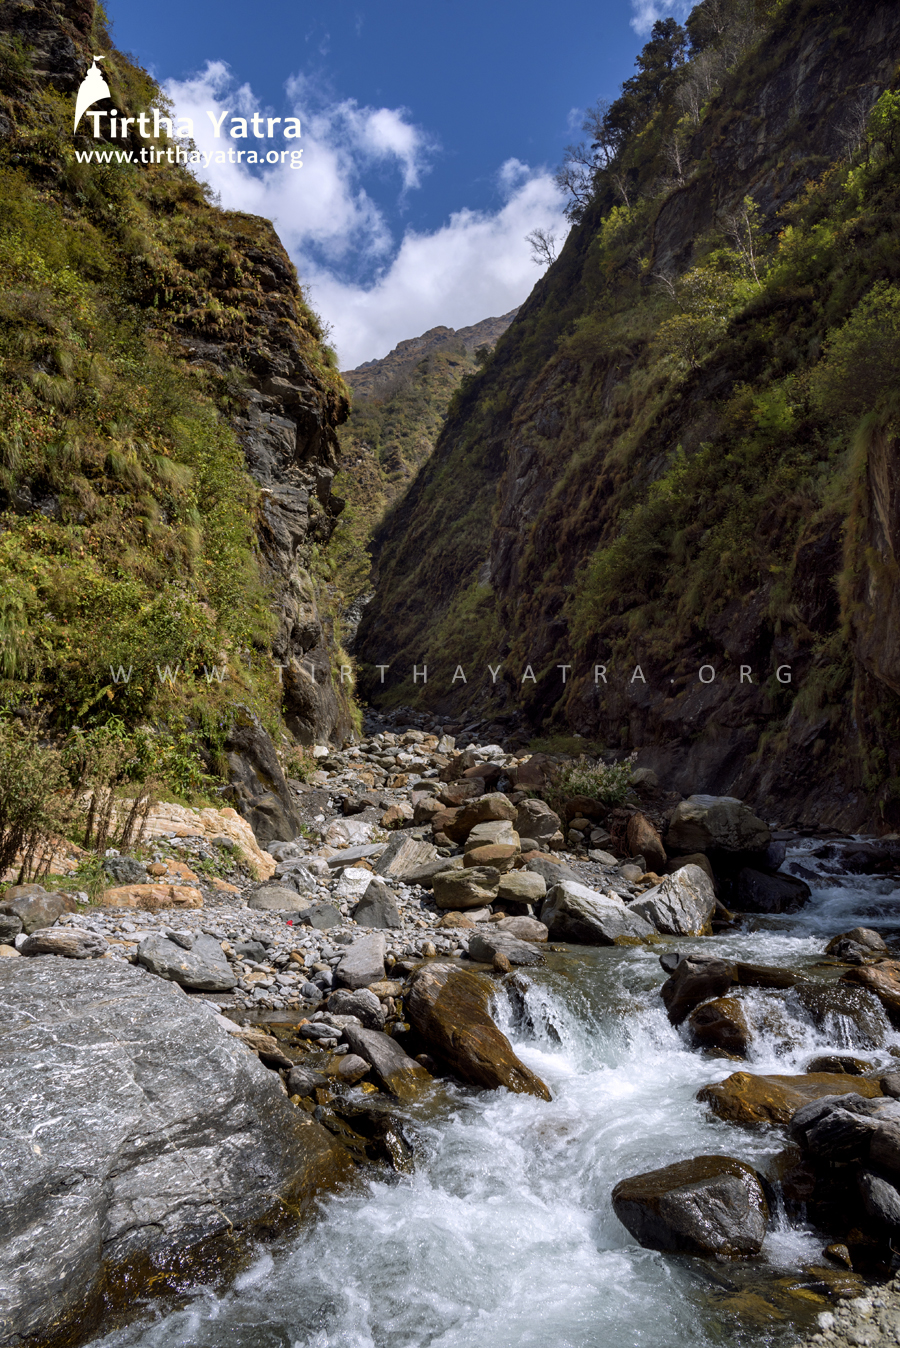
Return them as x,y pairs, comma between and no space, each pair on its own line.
606,782
35,800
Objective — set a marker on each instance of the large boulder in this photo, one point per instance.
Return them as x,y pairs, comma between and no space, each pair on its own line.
404,856
359,1002
35,907
643,840
695,979
536,820
276,898
198,963
362,963
524,928
764,892
481,811
134,1131
474,887
551,870
721,1025
486,945
522,887
73,943
716,824
881,1199
378,907
396,1071
709,1205
494,831
883,980
573,912
748,1099
680,905
449,1008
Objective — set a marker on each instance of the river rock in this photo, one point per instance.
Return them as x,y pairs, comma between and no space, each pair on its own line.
404,855
395,1070
695,979
274,898
551,870
470,888
10,926
681,905
522,887
481,811
692,859
354,882
486,945
766,976
839,1062
499,855
763,892
494,831
35,907
643,840
351,1068
133,1130
150,898
573,912
454,794
320,916
535,819
709,1205
716,823
72,943
748,1099
884,981
378,907
881,1199
828,1004
203,967
362,1003
304,1080
859,941
523,928
449,1007
363,962
720,1024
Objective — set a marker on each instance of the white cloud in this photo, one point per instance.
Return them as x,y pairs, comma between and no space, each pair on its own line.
476,265
646,13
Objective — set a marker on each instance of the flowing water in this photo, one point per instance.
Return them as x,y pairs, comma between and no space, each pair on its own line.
505,1235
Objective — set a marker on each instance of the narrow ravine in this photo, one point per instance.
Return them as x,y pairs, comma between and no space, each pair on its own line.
506,1233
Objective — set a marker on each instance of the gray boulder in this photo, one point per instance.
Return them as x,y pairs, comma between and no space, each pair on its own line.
536,820
524,928
552,872
404,854
363,962
485,945
762,892
681,905
709,1205
881,1199
279,898
203,967
360,1003
10,926
397,1072
716,823
35,907
573,912
320,916
470,888
125,870
133,1131
378,908
70,942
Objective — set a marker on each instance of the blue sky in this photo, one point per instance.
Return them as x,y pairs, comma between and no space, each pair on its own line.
430,135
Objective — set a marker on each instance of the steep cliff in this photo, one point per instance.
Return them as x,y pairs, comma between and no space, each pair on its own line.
671,488
168,417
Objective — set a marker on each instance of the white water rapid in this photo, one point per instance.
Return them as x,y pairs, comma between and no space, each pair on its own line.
505,1235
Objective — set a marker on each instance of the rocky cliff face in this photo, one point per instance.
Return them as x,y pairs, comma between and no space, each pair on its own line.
644,484
374,376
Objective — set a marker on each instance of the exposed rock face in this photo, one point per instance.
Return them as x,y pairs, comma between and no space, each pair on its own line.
157,1131
716,823
710,1205
682,905
258,787
573,912
747,1099
449,1009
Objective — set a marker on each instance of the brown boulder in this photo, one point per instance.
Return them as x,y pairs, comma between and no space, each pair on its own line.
425,810
593,810
499,855
449,1009
481,811
643,840
533,775
487,773
694,859
444,820
454,794
708,1205
149,898
883,980
748,1099
695,980
720,1024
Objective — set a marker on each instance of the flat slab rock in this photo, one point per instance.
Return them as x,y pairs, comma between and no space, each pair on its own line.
573,912
484,945
708,1205
203,967
132,1128
748,1099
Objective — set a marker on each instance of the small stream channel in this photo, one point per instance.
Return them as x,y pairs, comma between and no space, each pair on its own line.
505,1235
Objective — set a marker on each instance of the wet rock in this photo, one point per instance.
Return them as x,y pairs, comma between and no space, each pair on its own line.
501,963
709,1205
890,1084
881,1199
695,980
470,888
573,912
830,1004
351,1068
643,840
840,1135
716,823
747,1099
362,1003
71,943
158,1132
681,905
535,819
449,1008
766,976
524,928
884,981
396,1071
378,908
363,962
203,967
522,887
836,1062
320,916
125,870
273,898
720,1024
763,892
884,1147
485,946
304,1081
35,907
862,937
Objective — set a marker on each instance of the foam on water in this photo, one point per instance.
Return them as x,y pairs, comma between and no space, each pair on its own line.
506,1233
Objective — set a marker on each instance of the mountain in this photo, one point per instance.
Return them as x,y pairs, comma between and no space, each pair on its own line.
168,435
672,486
374,376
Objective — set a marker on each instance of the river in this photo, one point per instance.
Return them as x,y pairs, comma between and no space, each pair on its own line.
505,1234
